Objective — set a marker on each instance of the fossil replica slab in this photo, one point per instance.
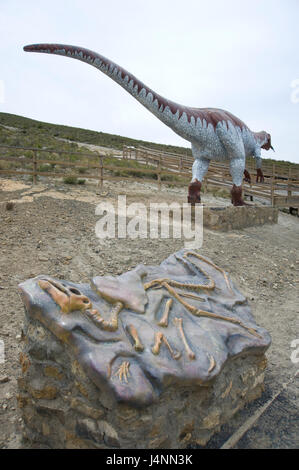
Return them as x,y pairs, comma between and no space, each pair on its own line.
148,332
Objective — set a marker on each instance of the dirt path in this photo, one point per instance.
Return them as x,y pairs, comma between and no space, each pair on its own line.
51,230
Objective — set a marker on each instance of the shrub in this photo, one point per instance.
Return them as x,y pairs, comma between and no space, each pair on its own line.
45,167
70,180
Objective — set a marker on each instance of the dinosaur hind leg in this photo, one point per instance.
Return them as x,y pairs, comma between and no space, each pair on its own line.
199,169
237,167
247,177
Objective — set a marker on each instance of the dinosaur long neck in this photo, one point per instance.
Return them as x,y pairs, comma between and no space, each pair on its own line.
172,114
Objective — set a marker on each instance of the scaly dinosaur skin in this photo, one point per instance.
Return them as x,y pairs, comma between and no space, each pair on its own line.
214,134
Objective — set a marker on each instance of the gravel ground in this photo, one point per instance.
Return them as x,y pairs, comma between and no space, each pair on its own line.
50,230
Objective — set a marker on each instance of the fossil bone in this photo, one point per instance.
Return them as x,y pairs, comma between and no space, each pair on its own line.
179,323
169,285
159,339
123,371
212,363
138,346
191,296
164,320
192,253
107,325
69,299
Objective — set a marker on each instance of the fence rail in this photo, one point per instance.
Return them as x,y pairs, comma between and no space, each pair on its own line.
99,166
281,187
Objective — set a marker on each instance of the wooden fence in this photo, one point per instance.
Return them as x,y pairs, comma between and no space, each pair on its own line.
95,165
281,186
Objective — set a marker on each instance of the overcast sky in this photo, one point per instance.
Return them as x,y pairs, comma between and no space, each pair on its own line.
241,56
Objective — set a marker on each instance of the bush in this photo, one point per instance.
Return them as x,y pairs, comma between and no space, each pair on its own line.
81,181
45,167
70,180
82,170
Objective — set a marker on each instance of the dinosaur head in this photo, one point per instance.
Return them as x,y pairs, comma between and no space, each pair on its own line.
265,140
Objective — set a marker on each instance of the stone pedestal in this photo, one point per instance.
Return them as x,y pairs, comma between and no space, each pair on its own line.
159,357
236,218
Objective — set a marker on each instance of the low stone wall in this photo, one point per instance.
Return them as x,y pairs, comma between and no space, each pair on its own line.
62,408
232,218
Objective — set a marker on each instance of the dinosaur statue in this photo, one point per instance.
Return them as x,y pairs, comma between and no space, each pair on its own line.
214,134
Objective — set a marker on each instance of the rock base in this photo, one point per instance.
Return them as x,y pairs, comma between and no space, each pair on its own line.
63,408
235,218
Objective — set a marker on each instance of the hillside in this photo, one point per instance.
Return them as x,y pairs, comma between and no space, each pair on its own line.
30,130
25,132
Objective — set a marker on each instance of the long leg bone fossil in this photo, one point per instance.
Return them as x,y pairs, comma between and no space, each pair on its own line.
138,346
179,323
159,339
191,296
164,320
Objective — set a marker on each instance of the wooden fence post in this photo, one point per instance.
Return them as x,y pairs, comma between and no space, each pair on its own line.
34,167
159,174
100,184
289,183
272,184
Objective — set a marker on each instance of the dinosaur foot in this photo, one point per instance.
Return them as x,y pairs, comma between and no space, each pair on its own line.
236,194
194,192
247,177
259,176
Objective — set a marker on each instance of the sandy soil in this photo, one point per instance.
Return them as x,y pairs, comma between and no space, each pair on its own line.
51,231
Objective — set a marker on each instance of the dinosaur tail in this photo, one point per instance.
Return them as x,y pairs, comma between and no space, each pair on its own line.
170,113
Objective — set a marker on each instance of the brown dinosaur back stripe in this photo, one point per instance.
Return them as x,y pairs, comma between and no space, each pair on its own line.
210,115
